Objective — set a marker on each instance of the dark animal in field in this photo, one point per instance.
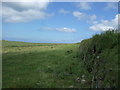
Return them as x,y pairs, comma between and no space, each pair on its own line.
69,51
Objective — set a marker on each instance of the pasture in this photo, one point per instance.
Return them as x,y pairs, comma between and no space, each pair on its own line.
41,65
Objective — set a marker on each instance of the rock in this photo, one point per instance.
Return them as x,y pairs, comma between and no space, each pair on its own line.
83,76
83,81
78,79
98,57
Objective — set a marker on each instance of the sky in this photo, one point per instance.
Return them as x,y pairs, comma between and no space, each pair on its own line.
56,22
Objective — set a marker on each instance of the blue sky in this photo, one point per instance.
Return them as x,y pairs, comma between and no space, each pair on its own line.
56,22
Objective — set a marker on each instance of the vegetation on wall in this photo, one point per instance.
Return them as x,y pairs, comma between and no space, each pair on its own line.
100,57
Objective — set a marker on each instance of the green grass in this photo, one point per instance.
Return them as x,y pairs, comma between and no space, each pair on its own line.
42,65
93,63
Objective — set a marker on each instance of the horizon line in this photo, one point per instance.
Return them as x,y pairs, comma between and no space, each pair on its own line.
41,42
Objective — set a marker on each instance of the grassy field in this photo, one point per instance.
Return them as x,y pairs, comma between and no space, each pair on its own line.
93,63
28,65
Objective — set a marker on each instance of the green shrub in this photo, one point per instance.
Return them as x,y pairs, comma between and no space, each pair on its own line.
100,56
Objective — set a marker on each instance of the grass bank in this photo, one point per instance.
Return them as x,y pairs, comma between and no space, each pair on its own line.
100,56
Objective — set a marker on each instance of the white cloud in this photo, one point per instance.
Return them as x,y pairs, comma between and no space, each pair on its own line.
61,29
63,11
83,16
24,11
79,15
111,5
27,5
105,25
84,6
102,25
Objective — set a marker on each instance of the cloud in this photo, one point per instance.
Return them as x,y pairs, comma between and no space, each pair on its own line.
61,29
111,5
86,17
79,15
84,6
24,11
63,11
105,25
27,5
101,25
